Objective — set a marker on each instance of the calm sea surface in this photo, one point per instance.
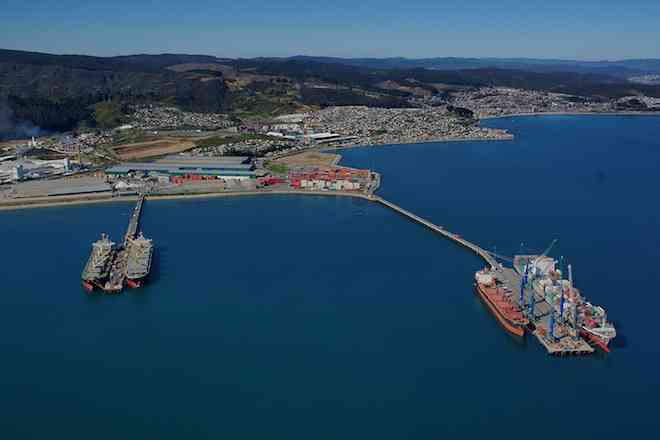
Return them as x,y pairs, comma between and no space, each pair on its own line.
296,318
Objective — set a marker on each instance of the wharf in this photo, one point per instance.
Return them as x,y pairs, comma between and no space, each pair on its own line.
115,281
539,315
565,346
134,223
117,278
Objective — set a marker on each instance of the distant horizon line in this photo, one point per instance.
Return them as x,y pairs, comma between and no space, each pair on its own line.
302,55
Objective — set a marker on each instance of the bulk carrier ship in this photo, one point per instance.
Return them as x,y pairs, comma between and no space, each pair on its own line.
499,300
140,252
98,265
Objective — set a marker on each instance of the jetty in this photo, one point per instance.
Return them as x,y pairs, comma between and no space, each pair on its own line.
562,343
134,222
117,277
126,264
490,260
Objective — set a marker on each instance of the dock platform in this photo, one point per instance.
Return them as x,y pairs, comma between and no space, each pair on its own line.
117,278
565,346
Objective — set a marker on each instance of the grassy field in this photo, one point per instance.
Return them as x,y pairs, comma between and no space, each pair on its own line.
277,168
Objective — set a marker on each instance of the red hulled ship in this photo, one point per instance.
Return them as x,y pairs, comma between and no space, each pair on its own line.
507,313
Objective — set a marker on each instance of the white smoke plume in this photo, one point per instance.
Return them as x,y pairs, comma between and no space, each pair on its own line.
12,129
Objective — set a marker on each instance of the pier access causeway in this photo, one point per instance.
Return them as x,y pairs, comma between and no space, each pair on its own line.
484,254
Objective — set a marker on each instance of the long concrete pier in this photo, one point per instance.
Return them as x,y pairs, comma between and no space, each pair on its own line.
117,277
134,222
485,255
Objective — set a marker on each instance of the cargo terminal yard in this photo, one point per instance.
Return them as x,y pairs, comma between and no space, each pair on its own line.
181,175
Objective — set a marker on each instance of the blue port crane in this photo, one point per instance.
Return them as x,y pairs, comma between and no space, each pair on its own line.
532,301
523,283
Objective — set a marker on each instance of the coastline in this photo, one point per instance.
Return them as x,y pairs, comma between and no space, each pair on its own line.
513,115
427,141
510,136
61,201
34,204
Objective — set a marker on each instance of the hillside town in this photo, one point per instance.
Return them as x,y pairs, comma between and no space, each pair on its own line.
154,117
501,101
398,126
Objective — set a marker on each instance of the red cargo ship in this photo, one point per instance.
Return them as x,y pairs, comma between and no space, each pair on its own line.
506,312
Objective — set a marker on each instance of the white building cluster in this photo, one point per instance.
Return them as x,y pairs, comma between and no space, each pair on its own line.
337,185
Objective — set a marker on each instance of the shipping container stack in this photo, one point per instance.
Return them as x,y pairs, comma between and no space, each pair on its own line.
339,179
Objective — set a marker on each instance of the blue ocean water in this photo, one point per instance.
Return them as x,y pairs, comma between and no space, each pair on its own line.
305,317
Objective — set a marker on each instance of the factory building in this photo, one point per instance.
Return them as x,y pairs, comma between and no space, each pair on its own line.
22,169
239,168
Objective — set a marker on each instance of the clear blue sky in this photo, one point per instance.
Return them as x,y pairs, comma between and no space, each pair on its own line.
575,29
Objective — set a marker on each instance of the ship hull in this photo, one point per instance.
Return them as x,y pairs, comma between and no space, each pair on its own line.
89,287
510,326
133,284
595,340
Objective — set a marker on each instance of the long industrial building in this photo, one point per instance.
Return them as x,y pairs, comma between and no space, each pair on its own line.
222,168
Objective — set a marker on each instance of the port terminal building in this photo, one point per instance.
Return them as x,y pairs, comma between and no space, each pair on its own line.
238,167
